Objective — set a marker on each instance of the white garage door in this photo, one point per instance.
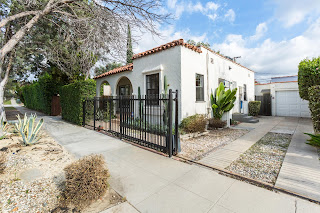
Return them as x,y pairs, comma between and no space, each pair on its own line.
289,103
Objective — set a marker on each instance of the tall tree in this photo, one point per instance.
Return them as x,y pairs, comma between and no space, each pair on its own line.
129,46
102,69
89,27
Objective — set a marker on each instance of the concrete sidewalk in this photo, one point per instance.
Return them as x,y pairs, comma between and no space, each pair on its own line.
300,171
224,156
154,183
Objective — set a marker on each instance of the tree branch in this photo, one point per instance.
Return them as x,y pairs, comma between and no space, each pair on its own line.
16,16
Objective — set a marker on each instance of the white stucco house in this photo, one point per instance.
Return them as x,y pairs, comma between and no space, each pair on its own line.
194,71
285,98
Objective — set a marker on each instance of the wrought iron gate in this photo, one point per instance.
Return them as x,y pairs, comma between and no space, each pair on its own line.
150,121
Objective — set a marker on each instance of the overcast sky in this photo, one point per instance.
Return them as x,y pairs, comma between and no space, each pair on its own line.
271,36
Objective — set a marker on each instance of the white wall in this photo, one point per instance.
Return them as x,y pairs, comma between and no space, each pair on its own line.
166,63
194,63
180,65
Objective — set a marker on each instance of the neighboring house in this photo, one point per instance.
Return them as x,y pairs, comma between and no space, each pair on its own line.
194,71
285,98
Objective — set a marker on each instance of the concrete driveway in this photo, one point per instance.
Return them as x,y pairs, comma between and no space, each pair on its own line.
154,183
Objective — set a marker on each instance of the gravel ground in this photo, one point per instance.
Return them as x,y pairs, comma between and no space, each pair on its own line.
197,148
33,177
264,159
33,174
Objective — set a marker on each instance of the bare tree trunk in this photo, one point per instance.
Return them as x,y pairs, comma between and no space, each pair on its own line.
3,83
2,111
3,22
14,40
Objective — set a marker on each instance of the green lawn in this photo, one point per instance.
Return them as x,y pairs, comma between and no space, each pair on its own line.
7,102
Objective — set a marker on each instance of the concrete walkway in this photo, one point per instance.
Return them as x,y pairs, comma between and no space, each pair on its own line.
154,183
224,156
300,171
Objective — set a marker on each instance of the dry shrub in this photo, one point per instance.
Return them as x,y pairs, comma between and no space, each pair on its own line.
194,123
3,158
216,123
86,181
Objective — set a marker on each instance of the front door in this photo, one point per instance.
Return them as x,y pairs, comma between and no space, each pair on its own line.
124,90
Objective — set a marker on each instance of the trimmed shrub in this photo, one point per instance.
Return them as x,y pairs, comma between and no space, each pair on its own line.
38,95
308,75
217,123
314,105
194,123
254,107
86,181
72,97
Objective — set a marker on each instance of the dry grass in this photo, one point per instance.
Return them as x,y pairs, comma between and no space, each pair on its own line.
86,181
3,158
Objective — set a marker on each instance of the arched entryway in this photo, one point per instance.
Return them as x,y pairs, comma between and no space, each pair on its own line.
124,87
105,89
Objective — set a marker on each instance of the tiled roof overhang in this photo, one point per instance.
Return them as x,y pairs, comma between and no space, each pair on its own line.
127,67
169,45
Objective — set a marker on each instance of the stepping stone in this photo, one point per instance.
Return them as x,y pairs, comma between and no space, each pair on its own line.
31,175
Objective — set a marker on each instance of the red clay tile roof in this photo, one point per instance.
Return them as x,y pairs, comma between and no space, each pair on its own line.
226,58
127,67
174,43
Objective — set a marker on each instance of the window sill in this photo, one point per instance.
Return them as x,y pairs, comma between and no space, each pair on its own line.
200,102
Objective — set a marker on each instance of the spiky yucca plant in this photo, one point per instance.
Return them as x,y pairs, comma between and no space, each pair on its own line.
28,130
222,101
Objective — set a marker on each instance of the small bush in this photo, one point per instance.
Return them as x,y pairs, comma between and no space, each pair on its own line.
216,123
314,105
254,108
86,181
314,140
194,123
72,97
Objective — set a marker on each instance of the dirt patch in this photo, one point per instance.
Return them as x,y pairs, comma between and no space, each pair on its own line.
197,148
264,159
33,178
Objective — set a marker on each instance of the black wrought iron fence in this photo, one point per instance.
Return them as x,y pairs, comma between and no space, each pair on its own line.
150,120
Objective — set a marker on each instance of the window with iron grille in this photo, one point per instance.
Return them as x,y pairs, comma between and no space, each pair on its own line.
152,87
245,92
199,88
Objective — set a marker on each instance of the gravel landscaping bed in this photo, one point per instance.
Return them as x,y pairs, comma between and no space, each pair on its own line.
264,159
33,178
197,148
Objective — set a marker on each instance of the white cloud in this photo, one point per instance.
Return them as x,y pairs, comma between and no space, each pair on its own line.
291,12
213,17
230,15
261,29
148,41
272,58
172,3
209,9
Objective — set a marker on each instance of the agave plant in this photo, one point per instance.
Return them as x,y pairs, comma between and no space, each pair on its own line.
3,128
222,101
28,129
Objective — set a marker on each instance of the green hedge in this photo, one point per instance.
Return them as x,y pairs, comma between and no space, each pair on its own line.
308,75
254,107
38,95
72,97
314,105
